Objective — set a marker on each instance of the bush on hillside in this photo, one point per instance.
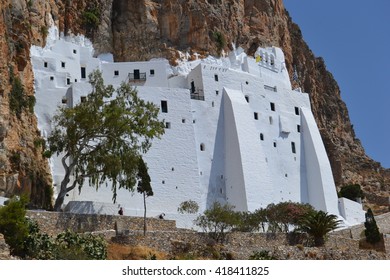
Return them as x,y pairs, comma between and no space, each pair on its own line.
351,192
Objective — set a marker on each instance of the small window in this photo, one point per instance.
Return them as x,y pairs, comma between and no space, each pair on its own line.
297,111
83,99
293,148
74,51
202,147
64,100
163,182
168,125
151,72
247,98
256,115
212,104
83,73
164,106
272,106
274,144
75,80
45,64
216,77
51,78
62,64
216,92
116,73
183,120
298,128
261,136
67,81
193,121
247,82
270,120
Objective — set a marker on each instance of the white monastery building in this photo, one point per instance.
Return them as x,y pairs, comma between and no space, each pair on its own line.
235,133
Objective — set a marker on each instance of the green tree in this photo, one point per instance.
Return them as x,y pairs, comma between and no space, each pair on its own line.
372,231
14,225
218,221
189,207
103,137
318,224
285,214
249,222
144,186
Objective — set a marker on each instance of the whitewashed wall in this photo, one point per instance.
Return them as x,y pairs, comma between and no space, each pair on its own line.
212,150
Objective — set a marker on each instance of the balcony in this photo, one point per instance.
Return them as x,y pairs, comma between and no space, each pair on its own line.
137,77
197,94
270,88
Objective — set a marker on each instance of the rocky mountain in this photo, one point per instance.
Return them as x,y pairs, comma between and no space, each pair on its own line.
145,29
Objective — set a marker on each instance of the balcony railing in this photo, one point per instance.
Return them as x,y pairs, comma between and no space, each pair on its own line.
270,88
197,96
137,77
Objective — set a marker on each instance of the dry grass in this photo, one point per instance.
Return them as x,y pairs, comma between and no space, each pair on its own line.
126,252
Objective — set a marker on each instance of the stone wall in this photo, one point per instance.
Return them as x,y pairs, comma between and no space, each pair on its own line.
355,232
162,235
242,245
4,249
55,222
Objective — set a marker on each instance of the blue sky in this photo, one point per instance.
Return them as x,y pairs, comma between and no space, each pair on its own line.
353,37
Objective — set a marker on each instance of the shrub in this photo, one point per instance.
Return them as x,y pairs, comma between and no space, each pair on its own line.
218,221
372,231
189,207
38,245
220,41
73,246
13,224
44,31
26,241
249,222
18,100
261,255
351,192
285,214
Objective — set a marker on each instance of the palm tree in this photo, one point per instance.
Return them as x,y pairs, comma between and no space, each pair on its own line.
318,224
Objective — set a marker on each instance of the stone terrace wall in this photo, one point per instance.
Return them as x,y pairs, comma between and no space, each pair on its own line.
163,235
53,223
383,222
242,245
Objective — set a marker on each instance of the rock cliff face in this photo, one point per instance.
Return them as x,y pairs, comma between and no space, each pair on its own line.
144,29
22,167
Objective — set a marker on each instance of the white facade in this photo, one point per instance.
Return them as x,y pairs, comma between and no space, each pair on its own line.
236,131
